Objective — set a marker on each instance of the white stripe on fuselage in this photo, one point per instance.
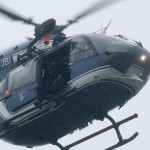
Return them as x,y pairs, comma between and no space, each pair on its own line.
130,78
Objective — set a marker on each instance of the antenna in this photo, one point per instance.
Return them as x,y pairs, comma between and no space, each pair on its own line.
104,30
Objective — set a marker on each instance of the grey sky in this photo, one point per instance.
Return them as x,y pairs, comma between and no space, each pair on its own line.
130,18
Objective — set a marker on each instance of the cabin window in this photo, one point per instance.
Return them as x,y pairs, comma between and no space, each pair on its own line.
22,75
3,86
80,50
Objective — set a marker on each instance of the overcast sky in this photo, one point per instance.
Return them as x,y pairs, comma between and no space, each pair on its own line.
130,18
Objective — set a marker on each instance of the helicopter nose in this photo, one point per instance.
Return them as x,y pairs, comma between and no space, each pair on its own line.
137,57
133,67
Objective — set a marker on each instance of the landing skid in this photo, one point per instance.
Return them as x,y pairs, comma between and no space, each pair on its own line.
115,125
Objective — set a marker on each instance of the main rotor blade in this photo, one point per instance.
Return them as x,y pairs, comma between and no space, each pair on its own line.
16,17
98,6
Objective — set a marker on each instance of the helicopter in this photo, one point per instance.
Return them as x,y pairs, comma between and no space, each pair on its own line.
48,81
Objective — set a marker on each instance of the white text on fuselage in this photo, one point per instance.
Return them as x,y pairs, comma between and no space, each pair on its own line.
6,61
55,106
11,59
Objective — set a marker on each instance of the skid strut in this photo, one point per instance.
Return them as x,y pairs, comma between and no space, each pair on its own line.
115,125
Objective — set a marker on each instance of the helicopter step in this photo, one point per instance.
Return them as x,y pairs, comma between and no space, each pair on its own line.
115,125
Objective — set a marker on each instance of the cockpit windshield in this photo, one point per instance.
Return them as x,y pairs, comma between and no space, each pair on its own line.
102,43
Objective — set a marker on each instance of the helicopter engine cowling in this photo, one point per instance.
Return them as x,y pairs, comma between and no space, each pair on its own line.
46,27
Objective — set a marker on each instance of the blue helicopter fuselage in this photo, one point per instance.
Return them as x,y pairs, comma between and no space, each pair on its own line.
62,88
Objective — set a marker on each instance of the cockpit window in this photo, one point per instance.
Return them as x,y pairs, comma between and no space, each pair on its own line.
80,50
